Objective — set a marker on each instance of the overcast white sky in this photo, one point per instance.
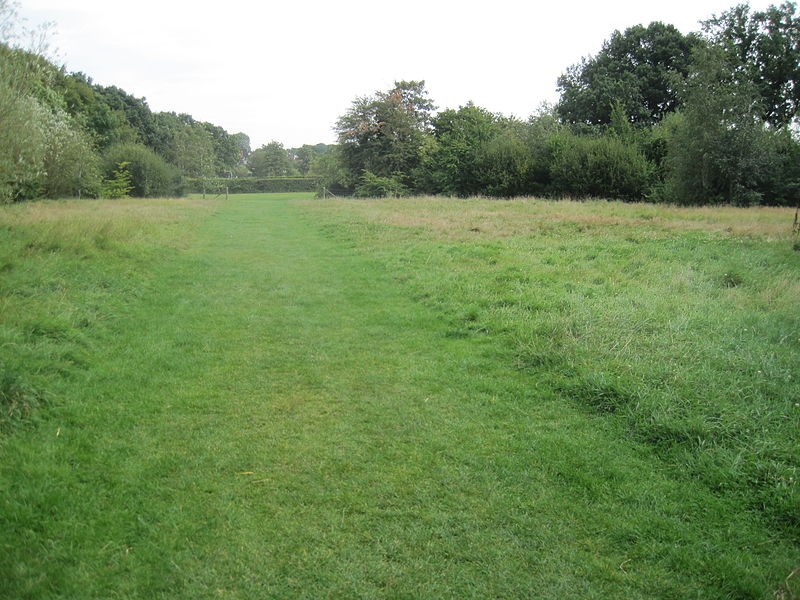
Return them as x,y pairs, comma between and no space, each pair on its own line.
286,70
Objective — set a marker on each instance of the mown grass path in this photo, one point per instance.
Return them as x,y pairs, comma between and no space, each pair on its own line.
277,417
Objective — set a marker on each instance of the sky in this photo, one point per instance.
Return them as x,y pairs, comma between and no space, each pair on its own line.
286,70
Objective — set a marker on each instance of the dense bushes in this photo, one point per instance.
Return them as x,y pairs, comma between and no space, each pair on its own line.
601,167
373,186
61,134
656,115
151,175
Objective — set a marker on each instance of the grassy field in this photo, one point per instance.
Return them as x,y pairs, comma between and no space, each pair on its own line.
281,397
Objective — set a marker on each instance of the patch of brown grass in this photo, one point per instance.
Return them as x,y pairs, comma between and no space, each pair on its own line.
74,223
460,218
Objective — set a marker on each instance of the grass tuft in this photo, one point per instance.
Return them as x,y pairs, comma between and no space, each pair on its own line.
599,392
731,279
18,401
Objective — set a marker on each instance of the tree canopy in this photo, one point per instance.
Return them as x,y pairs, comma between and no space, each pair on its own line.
384,133
766,48
642,69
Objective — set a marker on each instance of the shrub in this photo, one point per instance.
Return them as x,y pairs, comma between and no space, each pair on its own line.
373,186
151,175
599,167
119,186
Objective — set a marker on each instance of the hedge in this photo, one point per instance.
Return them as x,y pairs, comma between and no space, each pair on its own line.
251,185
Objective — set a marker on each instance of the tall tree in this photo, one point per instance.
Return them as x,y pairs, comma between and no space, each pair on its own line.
765,49
242,142
720,149
226,149
641,69
271,160
71,166
384,133
193,151
24,118
461,137
136,112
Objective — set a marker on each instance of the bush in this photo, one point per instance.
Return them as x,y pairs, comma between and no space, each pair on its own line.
118,186
151,175
599,167
373,186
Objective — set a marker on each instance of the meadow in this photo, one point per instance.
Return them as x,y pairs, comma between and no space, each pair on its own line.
280,396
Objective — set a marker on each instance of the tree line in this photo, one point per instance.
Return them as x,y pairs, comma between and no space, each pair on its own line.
708,117
63,135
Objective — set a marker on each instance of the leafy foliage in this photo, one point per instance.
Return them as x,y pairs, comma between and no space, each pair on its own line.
766,48
120,184
304,156
330,171
271,160
598,167
150,175
71,166
655,115
374,186
641,68
719,149
55,126
460,141
251,185
384,133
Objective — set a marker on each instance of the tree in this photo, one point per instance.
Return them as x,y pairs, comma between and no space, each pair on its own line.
23,118
384,133
23,143
192,151
70,166
330,171
460,135
271,160
303,157
478,152
242,142
119,184
641,68
764,49
134,111
719,148
227,152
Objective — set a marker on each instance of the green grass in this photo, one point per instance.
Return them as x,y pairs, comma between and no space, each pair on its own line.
274,396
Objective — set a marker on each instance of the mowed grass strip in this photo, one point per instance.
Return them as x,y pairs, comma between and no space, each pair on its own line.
273,398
